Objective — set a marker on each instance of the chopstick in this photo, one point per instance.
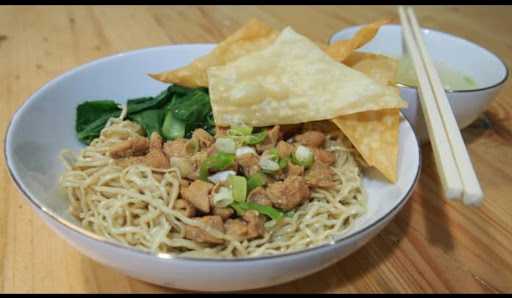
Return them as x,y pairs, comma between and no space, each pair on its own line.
472,192
454,166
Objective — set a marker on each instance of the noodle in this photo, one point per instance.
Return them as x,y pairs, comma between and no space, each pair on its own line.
134,205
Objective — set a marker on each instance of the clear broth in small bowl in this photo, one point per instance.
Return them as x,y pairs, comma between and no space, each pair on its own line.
452,79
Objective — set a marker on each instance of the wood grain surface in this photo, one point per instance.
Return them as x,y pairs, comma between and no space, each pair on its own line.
431,246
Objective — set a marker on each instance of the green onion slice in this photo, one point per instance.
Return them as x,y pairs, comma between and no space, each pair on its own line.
238,187
256,180
223,198
217,162
303,156
242,207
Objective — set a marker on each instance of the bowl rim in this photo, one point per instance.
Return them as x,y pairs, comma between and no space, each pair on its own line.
450,35
167,256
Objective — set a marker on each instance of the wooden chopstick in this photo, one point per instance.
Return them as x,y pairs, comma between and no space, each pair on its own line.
445,163
471,192
436,108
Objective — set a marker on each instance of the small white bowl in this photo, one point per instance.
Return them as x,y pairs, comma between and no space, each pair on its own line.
44,125
489,71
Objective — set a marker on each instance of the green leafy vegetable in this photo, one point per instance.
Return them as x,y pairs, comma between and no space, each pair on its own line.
145,103
150,120
91,117
194,110
172,127
238,187
242,207
217,162
256,180
175,112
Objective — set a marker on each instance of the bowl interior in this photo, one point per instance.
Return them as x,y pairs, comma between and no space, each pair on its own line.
457,53
44,126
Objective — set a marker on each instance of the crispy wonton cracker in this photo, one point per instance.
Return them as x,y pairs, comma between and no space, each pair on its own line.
378,67
341,49
375,136
253,36
374,133
285,83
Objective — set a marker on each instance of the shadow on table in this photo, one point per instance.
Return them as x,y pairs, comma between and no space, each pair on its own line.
486,122
433,204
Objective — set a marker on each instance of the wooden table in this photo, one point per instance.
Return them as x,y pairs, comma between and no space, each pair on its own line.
431,246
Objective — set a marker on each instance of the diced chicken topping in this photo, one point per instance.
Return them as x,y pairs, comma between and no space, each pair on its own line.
259,196
311,138
197,194
200,235
324,156
256,224
132,147
185,165
184,183
273,136
295,170
185,208
249,163
203,137
155,157
320,175
285,149
289,193
252,226
236,228
178,148
223,212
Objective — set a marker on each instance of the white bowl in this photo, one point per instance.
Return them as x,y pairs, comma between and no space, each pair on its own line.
44,125
489,71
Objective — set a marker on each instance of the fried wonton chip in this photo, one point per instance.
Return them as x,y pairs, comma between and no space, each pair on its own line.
374,133
285,83
378,67
341,49
375,136
253,36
